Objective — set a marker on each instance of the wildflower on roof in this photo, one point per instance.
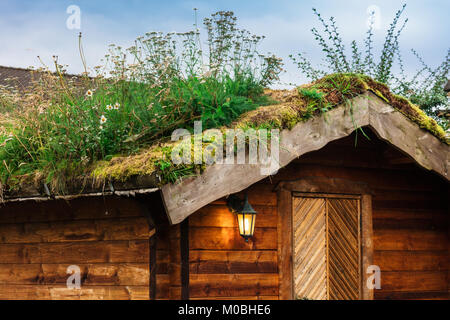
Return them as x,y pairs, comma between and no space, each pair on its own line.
109,107
89,93
103,119
117,106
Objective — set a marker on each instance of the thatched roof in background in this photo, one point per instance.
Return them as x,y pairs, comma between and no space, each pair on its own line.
22,79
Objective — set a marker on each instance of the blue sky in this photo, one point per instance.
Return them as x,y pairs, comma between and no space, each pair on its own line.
31,28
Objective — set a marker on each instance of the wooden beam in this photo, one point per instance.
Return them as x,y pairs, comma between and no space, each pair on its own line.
184,251
285,244
38,196
152,267
144,206
366,244
392,126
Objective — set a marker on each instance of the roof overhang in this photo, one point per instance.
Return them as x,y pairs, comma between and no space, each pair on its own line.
220,180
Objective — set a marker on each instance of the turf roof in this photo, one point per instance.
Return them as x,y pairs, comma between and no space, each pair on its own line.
293,107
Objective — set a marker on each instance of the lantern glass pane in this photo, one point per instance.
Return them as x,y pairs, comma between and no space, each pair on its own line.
246,224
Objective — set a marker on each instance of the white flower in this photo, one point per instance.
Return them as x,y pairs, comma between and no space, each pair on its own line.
103,119
117,106
101,127
109,107
90,93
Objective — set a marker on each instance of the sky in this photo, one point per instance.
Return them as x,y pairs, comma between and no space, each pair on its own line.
31,28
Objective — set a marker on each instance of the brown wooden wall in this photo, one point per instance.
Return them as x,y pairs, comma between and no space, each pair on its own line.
222,264
107,238
410,221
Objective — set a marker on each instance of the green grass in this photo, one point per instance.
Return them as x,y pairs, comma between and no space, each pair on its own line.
57,132
64,139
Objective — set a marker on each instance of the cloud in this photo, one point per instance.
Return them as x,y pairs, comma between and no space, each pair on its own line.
32,28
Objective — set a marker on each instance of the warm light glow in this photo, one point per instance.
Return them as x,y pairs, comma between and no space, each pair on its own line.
246,224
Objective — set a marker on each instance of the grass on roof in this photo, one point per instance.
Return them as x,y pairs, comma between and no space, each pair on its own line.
117,125
295,106
144,153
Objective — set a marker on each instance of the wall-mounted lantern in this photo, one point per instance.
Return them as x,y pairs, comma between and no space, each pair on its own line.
246,216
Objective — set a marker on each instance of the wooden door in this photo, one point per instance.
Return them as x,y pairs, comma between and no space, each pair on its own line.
326,247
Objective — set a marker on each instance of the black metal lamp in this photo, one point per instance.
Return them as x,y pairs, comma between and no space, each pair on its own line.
246,216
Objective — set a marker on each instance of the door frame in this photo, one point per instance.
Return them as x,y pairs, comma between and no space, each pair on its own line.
321,185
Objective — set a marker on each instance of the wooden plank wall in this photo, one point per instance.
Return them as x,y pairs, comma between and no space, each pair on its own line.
222,264
410,220
107,238
411,238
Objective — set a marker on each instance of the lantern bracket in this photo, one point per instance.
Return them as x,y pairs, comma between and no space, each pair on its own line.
234,203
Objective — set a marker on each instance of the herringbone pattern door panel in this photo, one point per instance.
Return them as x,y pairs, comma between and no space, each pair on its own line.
343,252
326,247
309,221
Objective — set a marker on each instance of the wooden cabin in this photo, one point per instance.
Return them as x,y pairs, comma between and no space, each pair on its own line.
323,221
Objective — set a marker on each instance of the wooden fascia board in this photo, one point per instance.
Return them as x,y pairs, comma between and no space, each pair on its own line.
220,180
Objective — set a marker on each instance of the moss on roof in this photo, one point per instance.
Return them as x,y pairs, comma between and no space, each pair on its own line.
295,106
322,95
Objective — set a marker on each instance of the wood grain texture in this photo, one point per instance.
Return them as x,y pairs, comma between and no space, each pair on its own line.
284,244
414,281
130,274
73,253
175,286
367,251
44,292
411,260
204,238
220,216
410,240
112,251
344,246
310,248
230,262
76,231
220,285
